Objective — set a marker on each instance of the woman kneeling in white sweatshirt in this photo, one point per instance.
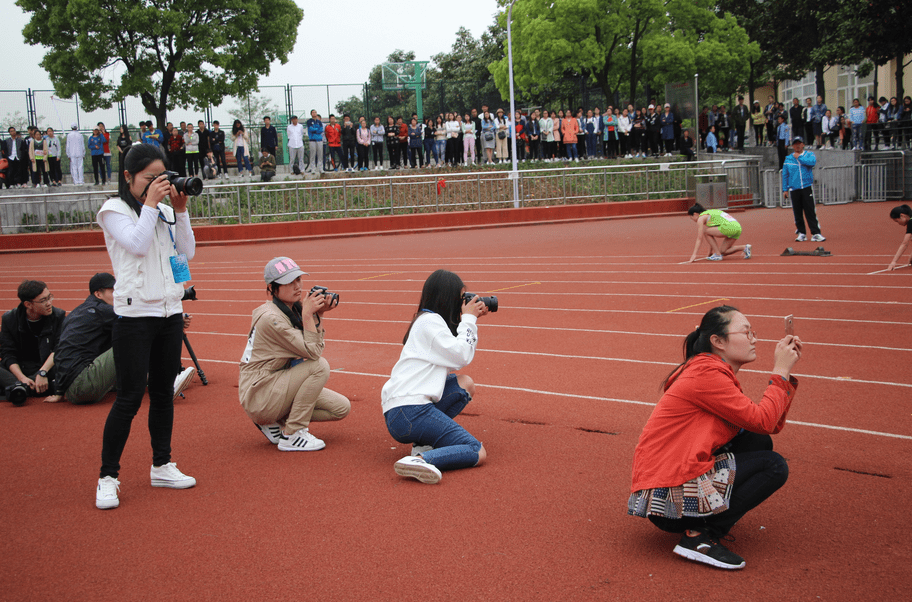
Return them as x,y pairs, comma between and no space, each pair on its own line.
421,398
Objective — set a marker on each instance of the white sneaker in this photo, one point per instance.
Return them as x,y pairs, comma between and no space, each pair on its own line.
715,257
301,441
182,381
106,493
801,238
272,432
818,238
417,468
420,449
169,476
747,251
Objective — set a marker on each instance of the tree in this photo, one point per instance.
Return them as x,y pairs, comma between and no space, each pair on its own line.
698,39
19,121
612,42
252,108
877,30
168,52
590,37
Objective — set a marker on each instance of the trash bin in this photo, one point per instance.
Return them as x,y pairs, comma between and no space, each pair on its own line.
712,190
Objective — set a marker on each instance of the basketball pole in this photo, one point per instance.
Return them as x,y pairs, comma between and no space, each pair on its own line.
514,174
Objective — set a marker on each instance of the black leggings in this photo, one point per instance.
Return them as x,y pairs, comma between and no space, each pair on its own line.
759,472
143,346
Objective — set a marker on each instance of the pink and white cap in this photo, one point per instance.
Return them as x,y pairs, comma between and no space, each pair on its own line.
282,270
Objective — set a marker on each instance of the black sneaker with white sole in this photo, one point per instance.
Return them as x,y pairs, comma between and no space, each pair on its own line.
708,550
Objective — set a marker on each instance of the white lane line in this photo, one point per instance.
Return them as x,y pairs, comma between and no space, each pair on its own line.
623,360
611,399
563,329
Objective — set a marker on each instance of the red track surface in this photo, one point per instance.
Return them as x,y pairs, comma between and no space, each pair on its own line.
592,317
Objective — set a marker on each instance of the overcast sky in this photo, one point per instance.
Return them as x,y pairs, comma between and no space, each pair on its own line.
333,47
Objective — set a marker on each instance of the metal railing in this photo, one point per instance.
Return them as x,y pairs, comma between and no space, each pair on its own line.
890,171
423,191
871,182
835,185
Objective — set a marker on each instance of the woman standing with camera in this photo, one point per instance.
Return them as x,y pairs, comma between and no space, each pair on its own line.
150,245
283,371
422,398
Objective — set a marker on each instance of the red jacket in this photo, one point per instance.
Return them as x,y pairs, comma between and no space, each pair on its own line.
871,112
403,133
702,409
333,134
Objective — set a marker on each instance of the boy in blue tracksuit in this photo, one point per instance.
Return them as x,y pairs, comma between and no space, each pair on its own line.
315,137
797,179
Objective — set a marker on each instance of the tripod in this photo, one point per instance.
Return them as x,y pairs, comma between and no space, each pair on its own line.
196,363
190,295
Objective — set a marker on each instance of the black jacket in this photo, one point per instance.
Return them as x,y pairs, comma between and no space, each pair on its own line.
86,334
13,330
269,137
349,134
216,140
204,138
796,119
21,148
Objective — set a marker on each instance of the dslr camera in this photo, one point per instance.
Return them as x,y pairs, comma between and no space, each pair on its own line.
490,302
17,393
189,186
332,299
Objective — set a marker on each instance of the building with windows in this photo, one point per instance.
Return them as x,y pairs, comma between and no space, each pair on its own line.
842,85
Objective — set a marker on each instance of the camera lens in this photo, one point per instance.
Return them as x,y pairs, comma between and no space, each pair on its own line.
190,186
17,394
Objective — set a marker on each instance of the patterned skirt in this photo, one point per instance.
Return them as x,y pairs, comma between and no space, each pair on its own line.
704,495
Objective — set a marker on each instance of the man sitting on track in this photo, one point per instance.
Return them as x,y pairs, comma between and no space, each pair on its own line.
282,371
28,336
715,224
902,215
84,356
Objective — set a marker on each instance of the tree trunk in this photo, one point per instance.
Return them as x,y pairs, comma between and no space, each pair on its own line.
750,87
821,89
900,92
633,61
158,111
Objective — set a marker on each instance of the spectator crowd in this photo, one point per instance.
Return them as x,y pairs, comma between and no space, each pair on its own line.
475,137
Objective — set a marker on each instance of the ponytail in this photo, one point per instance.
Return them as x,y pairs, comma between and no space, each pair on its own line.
715,322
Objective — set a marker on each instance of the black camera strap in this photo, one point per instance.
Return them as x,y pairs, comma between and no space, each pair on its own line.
294,313
161,215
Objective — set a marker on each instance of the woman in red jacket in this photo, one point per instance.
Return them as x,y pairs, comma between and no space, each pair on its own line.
705,457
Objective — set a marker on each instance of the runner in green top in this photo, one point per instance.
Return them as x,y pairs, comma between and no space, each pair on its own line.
720,230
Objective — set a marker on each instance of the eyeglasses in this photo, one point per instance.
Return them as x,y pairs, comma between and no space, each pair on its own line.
750,334
43,300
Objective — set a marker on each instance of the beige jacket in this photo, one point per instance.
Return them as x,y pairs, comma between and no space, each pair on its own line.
271,346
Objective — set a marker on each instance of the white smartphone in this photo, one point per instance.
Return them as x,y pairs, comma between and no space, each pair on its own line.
790,325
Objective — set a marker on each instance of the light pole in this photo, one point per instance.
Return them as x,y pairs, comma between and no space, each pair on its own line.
514,174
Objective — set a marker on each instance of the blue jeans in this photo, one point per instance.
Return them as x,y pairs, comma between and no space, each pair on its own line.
571,151
240,155
439,150
430,149
432,424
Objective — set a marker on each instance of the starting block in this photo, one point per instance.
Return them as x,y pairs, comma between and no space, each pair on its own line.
818,252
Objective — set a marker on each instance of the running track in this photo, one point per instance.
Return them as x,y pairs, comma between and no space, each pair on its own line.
592,318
